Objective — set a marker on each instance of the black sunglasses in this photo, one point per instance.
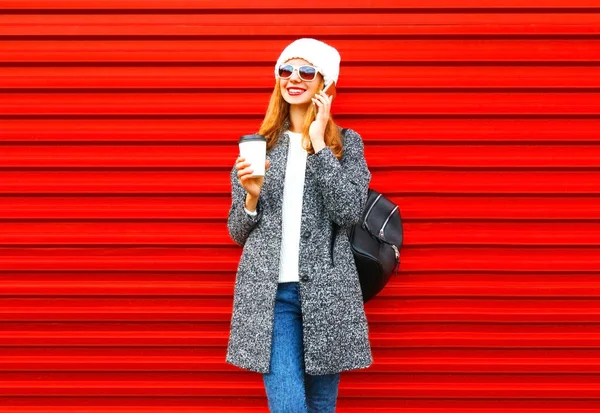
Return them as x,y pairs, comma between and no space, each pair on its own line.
306,73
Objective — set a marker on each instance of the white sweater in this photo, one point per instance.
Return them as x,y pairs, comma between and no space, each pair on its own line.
292,209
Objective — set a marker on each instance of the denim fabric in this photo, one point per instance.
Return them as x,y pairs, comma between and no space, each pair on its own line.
289,389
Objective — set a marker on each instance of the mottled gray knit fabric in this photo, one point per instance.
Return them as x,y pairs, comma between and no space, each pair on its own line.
336,334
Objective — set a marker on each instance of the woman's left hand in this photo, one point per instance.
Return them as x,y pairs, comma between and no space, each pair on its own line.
317,127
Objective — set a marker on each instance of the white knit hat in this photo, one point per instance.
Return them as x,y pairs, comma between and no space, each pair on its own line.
322,56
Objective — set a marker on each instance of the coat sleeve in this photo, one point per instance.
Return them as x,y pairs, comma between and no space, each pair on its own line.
239,223
344,183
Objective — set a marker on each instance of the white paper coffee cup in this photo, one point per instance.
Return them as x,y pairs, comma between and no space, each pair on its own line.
254,149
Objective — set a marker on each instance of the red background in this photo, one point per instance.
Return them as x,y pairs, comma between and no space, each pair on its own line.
118,127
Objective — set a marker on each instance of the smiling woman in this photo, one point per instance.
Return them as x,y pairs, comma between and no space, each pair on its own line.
298,97
298,315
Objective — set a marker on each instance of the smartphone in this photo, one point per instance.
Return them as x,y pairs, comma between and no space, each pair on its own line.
329,89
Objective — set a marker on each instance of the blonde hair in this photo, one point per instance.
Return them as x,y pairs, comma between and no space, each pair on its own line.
278,113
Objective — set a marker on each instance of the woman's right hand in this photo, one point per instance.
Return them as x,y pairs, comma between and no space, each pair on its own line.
252,184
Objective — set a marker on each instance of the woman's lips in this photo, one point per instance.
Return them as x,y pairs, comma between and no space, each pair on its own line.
295,92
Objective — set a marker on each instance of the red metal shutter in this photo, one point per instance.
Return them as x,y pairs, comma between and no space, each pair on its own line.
118,127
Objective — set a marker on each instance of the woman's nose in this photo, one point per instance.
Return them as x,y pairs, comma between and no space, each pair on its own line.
295,76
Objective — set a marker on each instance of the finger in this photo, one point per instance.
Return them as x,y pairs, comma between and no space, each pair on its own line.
242,165
267,164
319,107
320,97
322,110
249,178
245,171
318,102
324,99
239,163
240,159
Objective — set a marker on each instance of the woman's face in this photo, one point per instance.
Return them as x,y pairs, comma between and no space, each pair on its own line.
296,91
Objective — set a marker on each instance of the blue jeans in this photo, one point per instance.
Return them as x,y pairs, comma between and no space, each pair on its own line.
289,389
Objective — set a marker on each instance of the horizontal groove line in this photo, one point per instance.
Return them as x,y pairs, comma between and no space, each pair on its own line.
128,194
207,220
219,195
202,143
456,371
233,246
118,323
216,347
148,246
414,273
370,142
230,273
234,385
499,246
145,360
175,220
324,10
379,116
470,297
228,169
363,63
226,196
277,37
116,347
150,360
384,90
117,195
254,401
176,345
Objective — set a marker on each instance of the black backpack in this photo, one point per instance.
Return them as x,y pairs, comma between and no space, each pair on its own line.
375,242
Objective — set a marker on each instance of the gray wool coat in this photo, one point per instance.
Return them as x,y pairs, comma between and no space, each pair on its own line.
335,329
